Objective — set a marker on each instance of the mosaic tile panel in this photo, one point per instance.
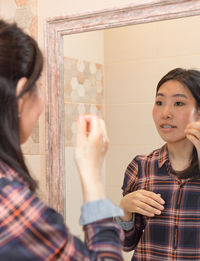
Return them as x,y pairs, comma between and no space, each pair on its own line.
21,2
26,17
83,81
72,110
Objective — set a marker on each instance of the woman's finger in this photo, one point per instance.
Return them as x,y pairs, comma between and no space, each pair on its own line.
195,125
193,132
194,140
153,196
152,202
148,208
144,212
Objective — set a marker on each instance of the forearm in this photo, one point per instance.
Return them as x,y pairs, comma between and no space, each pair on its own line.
133,231
104,240
102,236
128,216
92,187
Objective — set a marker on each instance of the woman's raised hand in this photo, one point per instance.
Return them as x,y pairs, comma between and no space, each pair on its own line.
91,146
193,134
143,202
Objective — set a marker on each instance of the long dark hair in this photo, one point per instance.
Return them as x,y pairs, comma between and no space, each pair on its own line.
191,80
19,57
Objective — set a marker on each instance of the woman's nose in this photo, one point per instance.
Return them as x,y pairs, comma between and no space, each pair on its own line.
167,112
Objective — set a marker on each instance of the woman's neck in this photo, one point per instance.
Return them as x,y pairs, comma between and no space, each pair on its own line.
180,154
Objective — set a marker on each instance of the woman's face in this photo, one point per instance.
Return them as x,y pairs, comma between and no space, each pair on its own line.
174,109
32,106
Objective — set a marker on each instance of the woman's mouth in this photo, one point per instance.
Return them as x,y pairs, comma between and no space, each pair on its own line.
167,126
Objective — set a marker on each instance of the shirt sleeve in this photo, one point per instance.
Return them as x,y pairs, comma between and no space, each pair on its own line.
134,231
126,225
99,209
37,232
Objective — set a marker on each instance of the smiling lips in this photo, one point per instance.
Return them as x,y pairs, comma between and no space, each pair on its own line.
167,126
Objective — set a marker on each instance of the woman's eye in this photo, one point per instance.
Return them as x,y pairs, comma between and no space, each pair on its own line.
159,103
179,103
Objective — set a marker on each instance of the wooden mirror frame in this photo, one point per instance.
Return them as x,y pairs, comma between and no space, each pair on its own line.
55,28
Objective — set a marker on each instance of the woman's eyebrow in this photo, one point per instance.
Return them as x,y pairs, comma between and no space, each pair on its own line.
180,95
174,95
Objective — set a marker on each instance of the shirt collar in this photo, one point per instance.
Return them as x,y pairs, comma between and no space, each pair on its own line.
163,156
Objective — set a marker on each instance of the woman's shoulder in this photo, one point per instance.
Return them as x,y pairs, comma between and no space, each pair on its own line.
154,155
8,175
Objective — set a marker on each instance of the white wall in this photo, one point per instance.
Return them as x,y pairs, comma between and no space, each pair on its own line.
87,46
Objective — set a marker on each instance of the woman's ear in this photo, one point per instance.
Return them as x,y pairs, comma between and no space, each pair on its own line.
20,86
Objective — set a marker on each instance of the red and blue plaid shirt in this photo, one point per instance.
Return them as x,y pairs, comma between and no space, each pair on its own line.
29,230
175,234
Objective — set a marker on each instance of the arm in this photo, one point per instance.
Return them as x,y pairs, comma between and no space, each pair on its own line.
137,204
37,232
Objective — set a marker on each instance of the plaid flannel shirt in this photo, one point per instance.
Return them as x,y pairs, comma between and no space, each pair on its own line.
175,234
29,230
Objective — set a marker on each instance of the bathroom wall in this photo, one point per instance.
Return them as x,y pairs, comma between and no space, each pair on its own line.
132,69
83,94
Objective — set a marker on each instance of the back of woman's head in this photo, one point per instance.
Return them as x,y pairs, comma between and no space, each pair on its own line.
188,78
19,57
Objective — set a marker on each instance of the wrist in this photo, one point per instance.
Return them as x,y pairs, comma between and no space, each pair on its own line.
92,190
127,216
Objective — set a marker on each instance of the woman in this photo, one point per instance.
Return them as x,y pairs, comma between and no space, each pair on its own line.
30,230
162,190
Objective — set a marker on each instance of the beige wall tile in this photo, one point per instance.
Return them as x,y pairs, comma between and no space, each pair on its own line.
130,81
131,124
135,42
117,159
73,193
7,10
73,184
170,38
178,37
166,64
114,194
73,211
88,46
34,164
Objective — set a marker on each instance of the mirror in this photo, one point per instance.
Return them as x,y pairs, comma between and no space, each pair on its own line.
56,30
113,73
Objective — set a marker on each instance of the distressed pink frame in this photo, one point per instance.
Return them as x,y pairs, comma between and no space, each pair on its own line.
55,28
